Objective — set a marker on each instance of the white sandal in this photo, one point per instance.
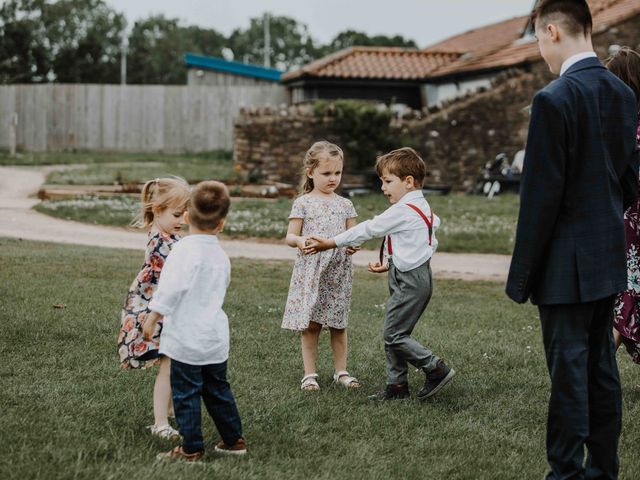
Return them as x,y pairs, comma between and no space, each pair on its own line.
165,431
343,378
309,383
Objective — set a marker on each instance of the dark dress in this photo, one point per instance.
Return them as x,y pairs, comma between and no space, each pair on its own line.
626,315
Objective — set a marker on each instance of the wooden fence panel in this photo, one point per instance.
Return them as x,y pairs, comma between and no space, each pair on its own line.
151,118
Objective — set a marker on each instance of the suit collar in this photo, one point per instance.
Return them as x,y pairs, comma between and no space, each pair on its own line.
591,62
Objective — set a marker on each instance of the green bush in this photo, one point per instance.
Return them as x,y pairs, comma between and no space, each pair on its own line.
363,127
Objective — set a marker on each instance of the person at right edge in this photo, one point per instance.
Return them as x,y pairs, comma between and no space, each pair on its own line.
580,174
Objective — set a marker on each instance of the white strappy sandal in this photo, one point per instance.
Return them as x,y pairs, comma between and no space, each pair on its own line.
343,378
310,383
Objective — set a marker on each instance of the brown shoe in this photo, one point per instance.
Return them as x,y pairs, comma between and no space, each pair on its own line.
179,454
238,448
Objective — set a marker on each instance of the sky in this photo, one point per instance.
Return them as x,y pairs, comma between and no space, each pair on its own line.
425,21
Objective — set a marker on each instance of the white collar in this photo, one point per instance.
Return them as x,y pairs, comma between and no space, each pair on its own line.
572,60
415,194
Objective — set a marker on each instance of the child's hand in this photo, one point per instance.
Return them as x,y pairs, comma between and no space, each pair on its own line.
150,325
377,267
317,244
147,330
352,250
301,243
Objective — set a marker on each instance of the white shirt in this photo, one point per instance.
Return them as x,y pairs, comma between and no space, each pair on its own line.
572,60
190,294
408,231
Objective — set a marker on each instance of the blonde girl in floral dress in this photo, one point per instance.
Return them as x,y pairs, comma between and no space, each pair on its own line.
164,201
320,289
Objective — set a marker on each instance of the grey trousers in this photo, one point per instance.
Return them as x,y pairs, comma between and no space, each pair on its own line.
410,293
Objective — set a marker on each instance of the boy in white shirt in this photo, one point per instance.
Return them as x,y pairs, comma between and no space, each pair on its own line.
195,334
408,228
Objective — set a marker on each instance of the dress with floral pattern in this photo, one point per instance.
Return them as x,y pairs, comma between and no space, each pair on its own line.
626,315
131,345
320,289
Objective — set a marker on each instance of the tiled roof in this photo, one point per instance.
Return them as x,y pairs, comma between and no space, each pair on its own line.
492,47
605,14
483,38
386,63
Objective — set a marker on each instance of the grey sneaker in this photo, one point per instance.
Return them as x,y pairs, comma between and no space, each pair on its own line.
436,379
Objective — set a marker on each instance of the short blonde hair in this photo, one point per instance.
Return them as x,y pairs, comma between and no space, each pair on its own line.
317,152
209,205
158,195
402,163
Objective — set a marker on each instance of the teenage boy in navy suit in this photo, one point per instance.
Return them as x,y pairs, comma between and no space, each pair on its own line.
580,173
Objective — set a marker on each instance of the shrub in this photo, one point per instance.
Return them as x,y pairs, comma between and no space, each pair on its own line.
363,127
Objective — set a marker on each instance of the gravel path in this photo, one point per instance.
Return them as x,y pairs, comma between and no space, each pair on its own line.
17,195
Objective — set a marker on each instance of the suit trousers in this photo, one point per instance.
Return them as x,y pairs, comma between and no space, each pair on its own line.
585,408
410,294
191,382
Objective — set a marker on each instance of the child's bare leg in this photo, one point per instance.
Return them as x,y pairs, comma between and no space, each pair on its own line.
617,338
339,348
310,347
162,393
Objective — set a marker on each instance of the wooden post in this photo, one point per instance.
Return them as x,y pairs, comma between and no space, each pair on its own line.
13,124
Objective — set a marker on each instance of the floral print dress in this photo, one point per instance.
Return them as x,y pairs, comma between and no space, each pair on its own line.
320,289
626,315
133,350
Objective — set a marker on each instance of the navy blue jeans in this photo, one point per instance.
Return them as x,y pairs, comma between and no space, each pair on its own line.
188,384
585,408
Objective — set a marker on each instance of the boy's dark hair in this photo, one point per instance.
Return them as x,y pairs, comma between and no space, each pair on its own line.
625,64
402,163
209,205
574,15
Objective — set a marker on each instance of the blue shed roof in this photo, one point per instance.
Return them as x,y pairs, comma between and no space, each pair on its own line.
236,68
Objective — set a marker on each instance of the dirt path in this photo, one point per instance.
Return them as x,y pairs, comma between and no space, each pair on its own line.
19,185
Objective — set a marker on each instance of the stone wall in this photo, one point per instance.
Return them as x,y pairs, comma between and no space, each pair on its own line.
455,140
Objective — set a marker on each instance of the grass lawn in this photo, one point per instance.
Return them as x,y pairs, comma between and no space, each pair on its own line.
469,223
96,158
70,412
192,169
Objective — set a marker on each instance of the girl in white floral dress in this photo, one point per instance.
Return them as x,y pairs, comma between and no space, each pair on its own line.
164,201
320,290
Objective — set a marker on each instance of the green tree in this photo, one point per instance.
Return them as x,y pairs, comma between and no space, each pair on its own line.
291,44
350,38
64,41
24,57
157,45
85,38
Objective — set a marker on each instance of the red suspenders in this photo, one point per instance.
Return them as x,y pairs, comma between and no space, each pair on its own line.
428,221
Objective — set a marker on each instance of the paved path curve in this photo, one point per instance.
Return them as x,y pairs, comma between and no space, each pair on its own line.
19,185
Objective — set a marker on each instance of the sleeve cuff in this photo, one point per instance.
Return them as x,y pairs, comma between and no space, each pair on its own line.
340,240
160,308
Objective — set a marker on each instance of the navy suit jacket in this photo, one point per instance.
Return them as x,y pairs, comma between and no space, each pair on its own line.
580,173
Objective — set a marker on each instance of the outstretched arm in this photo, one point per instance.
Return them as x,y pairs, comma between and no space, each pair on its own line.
318,244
